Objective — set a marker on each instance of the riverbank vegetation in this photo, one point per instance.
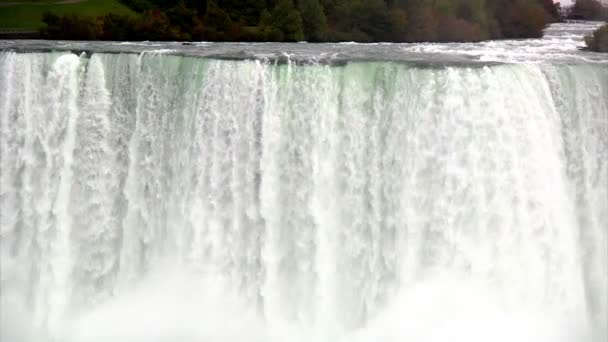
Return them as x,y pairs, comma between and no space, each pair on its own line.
28,15
596,11
311,20
588,10
598,41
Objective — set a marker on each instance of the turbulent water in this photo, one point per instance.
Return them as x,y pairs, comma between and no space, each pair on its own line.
161,197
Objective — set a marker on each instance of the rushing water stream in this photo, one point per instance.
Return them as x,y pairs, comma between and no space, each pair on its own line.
336,192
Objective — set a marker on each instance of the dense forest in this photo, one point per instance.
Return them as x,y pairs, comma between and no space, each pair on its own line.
312,20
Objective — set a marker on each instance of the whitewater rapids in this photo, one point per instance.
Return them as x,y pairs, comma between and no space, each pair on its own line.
152,197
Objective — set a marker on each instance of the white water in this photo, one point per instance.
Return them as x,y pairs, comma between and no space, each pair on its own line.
165,198
562,43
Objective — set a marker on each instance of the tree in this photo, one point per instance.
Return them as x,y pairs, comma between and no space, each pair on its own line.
552,9
373,18
598,41
284,21
398,18
71,27
267,31
522,19
588,10
243,11
321,20
155,25
453,29
313,20
365,20
423,25
216,22
117,27
186,20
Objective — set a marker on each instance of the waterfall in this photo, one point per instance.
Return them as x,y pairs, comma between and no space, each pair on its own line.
156,197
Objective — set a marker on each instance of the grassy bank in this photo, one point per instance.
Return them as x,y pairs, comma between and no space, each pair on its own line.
27,14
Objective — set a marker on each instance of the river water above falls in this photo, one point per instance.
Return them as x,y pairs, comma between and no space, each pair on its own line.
304,192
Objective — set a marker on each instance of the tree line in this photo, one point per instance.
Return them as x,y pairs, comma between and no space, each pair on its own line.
312,20
588,10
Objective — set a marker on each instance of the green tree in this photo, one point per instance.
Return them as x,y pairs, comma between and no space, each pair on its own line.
71,27
365,20
216,22
267,31
320,20
285,21
313,20
185,19
243,11
155,25
117,27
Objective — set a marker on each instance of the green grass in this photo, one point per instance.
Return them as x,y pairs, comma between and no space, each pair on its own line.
28,14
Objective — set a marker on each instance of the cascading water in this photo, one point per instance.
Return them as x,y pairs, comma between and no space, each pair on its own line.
155,197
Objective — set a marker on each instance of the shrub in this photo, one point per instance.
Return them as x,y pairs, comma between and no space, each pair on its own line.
598,41
117,27
155,25
523,20
71,27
